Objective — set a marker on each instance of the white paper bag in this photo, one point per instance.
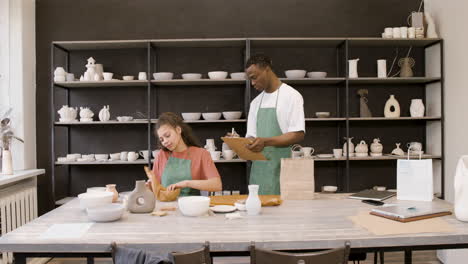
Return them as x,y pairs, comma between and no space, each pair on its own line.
414,180
297,179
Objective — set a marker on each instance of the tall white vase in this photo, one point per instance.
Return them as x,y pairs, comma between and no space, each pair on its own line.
352,67
417,108
388,107
7,162
460,184
253,203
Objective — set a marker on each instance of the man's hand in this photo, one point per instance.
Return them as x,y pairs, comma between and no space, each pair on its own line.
257,145
179,185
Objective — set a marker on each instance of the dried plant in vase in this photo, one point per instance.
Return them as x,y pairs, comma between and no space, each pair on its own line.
6,137
364,110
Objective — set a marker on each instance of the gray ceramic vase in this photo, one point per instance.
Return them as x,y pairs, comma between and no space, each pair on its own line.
141,200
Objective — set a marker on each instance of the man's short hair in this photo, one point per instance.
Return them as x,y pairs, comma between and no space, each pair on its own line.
260,60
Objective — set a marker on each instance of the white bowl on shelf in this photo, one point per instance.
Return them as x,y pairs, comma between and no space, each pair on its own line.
295,74
238,76
211,116
194,205
191,116
322,114
163,76
191,76
90,200
106,213
231,115
128,78
217,75
317,75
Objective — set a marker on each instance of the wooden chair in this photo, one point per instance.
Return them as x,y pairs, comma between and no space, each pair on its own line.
201,256
331,256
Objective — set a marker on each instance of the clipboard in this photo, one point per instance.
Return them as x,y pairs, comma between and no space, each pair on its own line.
238,145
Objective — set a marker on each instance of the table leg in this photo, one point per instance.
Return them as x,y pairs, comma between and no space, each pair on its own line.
381,257
19,258
90,260
408,256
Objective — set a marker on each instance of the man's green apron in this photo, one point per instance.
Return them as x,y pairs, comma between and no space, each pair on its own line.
267,173
177,170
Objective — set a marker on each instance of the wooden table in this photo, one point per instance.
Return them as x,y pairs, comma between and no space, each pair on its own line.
296,225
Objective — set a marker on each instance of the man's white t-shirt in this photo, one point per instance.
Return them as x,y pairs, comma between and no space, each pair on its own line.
289,111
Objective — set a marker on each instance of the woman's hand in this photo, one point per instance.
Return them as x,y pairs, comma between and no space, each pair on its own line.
179,185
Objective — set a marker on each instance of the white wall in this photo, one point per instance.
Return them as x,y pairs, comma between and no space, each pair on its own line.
451,18
18,84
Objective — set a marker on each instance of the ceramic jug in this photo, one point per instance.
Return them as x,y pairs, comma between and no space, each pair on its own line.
405,66
417,108
104,114
353,68
351,146
141,200
253,203
388,111
460,184
376,147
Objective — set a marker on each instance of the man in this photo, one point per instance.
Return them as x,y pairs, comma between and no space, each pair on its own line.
276,121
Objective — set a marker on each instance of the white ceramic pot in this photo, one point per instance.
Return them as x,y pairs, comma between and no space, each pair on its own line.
104,114
362,147
388,111
417,108
106,213
194,205
376,147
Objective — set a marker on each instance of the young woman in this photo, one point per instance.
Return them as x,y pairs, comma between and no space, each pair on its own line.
181,163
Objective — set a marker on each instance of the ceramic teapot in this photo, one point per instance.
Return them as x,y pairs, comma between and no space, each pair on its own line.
104,114
67,114
362,147
398,151
86,115
376,147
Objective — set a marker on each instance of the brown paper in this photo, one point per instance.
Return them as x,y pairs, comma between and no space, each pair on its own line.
383,226
238,144
160,191
267,200
297,179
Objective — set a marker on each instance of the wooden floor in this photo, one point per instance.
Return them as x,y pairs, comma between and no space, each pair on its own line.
419,257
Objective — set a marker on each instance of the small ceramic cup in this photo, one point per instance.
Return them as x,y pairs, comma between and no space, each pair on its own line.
404,32
70,77
123,155
142,76
396,32
388,32
107,76
337,153
215,155
307,152
115,156
132,156
411,32
228,154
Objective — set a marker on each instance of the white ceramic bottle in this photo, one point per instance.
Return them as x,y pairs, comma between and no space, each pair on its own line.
461,189
353,72
253,203
388,107
417,108
7,163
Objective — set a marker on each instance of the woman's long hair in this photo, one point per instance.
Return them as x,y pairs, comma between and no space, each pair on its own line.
174,121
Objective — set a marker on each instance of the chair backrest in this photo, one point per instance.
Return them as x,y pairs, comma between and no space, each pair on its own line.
331,256
201,256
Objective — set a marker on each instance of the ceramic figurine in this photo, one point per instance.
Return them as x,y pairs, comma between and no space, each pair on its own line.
431,28
405,66
398,151
376,148
67,114
417,108
91,70
86,115
141,200
362,149
59,74
364,110
388,111
104,114
353,73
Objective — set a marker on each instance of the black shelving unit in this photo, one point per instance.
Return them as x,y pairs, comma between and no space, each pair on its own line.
342,122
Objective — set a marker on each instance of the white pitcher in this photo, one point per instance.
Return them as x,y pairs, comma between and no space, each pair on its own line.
461,189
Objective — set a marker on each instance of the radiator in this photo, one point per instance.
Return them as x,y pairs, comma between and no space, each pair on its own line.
18,206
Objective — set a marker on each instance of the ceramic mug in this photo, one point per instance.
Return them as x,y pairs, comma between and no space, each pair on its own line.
228,154
107,76
388,32
337,153
142,76
132,156
144,153
215,155
115,156
124,155
307,152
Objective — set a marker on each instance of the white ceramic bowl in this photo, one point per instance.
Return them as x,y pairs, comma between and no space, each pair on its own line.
238,76
128,78
317,75
211,116
95,189
191,76
106,213
295,74
89,200
163,76
101,156
329,188
194,205
191,116
232,115
322,114
217,75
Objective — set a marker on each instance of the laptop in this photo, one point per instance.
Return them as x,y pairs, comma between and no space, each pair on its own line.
372,195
